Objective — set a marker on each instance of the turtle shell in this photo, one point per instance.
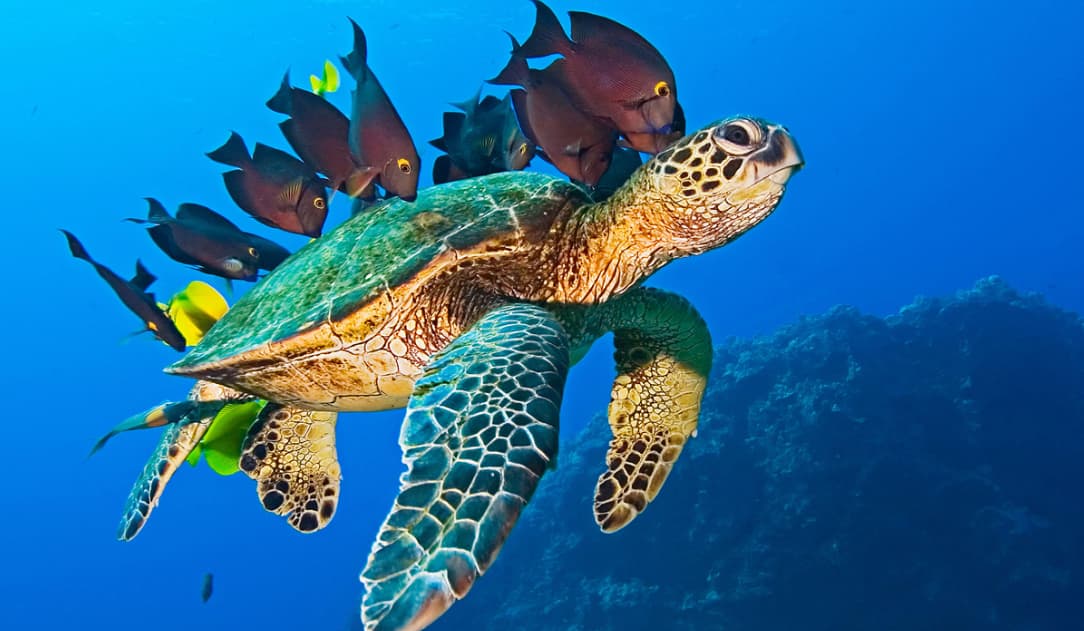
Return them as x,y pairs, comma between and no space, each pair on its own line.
379,250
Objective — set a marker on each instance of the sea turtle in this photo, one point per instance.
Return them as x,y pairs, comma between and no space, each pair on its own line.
468,306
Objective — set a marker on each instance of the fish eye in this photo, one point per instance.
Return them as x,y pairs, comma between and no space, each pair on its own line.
253,252
319,203
662,88
404,165
523,149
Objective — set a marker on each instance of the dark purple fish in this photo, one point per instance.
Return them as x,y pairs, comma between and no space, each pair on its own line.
318,132
579,145
657,142
622,165
378,138
274,187
200,237
612,71
484,138
133,293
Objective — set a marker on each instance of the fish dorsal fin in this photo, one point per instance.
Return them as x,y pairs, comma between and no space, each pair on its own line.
281,101
291,193
356,61
439,143
489,103
588,26
277,160
453,127
143,278
470,105
195,213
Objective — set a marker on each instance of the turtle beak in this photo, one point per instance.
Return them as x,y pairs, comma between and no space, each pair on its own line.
779,158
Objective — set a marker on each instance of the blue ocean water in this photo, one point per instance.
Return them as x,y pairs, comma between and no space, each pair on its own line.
941,142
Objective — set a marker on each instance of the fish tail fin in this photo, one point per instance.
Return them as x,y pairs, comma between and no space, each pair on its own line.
143,277
233,153
280,102
516,72
548,36
355,61
76,247
359,179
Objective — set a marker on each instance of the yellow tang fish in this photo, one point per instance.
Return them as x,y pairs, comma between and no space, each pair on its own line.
221,445
328,82
195,309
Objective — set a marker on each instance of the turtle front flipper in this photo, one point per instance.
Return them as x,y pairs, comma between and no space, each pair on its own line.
290,452
186,423
663,355
480,430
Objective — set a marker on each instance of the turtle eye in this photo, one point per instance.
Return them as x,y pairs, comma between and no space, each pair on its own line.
736,134
662,88
404,165
319,203
253,252
739,137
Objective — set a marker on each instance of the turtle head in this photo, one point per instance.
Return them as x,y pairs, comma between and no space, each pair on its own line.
716,183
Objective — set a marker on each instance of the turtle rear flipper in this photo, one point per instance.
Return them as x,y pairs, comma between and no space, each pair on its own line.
290,453
663,355
480,430
186,423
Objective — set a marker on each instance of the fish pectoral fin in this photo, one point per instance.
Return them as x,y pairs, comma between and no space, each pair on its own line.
290,193
359,180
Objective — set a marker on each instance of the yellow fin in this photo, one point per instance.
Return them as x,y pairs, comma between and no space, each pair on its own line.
221,445
326,83
331,77
195,309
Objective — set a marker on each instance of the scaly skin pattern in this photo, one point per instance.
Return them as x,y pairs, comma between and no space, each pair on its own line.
663,356
479,433
290,453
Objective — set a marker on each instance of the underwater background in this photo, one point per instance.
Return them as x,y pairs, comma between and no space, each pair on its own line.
942,142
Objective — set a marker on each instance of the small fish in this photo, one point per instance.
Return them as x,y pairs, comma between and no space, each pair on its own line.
485,138
274,187
195,309
612,71
327,82
656,142
318,132
622,165
378,138
133,293
579,145
200,237
208,587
